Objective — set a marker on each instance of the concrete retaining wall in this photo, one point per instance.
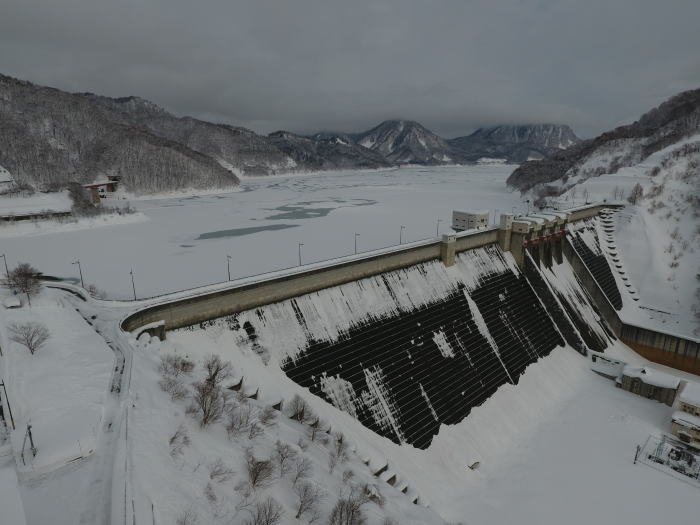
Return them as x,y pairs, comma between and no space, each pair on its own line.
663,348
195,309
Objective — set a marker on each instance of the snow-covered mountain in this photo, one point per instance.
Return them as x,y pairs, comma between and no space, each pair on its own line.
49,138
408,142
625,146
516,143
336,152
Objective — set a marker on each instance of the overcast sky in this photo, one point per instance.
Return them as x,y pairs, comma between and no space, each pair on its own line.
309,65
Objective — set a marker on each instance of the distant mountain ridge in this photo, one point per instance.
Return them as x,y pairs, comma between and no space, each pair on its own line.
624,146
50,137
516,143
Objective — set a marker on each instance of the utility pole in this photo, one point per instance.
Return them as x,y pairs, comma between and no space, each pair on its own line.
31,440
356,236
9,408
528,206
228,266
437,230
82,283
133,286
300,245
401,234
7,272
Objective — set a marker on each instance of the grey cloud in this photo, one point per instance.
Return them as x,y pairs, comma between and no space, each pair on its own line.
307,65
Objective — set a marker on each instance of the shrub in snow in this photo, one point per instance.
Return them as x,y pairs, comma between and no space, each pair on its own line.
209,401
174,387
25,278
285,457
260,471
309,496
267,512
95,292
220,472
186,517
172,365
178,441
217,370
32,335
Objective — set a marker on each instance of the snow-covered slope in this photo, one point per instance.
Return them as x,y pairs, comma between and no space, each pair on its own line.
665,125
653,244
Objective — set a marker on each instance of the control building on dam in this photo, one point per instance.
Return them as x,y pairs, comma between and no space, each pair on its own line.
410,338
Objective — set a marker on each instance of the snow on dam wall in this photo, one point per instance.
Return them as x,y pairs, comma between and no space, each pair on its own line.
408,350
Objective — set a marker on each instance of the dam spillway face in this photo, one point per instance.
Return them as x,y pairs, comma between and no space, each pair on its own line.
584,239
568,304
409,350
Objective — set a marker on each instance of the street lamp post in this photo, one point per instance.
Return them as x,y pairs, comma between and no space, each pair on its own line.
401,234
228,266
437,230
9,408
133,286
300,245
528,206
82,283
7,272
356,236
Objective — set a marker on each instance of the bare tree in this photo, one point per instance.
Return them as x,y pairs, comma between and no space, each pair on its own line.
210,401
316,431
33,335
285,456
266,512
301,469
347,511
300,410
636,193
240,419
339,454
219,471
267,416
586,194
25,278
260,471
256,430
217,370
309,497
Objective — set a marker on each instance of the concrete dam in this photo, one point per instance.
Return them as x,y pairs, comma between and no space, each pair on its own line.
424,334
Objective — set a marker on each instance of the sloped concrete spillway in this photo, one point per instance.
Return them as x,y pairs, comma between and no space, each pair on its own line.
409,350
